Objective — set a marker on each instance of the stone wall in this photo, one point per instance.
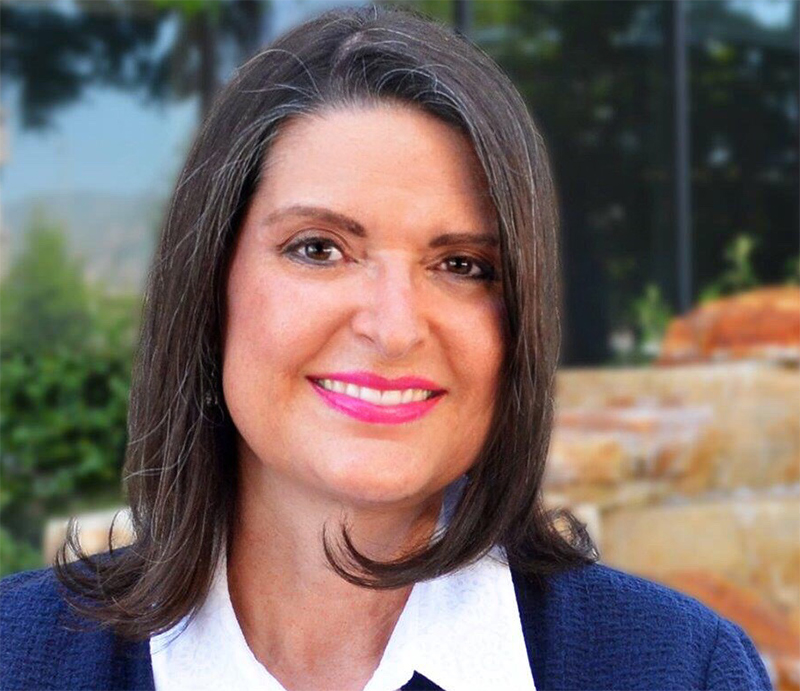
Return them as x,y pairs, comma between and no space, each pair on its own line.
691,476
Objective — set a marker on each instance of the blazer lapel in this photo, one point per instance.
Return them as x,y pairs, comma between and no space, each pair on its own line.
532,604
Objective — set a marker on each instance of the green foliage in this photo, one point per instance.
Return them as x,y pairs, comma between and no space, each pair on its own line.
65,366
44,305
791,270
62,429
739,275
442,10
191,8
120,44
650,313
16,555
653,314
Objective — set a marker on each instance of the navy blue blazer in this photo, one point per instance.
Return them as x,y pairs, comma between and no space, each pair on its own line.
595,628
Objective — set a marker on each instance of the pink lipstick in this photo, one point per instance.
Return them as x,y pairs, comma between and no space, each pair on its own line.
371,412
375,381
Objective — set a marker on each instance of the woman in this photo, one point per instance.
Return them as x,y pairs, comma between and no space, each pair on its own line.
342,405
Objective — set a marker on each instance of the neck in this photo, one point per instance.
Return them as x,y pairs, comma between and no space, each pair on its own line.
292,607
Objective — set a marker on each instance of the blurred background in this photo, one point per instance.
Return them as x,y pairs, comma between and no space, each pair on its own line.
673,127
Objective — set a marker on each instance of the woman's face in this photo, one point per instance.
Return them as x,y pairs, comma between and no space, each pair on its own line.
349,261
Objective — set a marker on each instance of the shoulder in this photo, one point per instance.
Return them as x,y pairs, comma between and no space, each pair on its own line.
37,639
609,594
619,630
29,601
616,601
47,645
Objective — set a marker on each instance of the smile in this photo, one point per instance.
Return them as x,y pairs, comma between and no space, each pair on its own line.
384,398
371,405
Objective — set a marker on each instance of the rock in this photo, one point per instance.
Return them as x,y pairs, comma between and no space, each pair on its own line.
749,539
93,531
747,430
758,324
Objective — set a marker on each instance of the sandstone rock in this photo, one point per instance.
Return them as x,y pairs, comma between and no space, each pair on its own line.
607,496
763,324
751,437
586,459
624,442
93,531
750,539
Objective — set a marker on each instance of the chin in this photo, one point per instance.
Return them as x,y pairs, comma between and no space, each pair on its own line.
367,487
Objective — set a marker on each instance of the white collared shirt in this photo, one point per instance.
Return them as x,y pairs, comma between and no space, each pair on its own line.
461,630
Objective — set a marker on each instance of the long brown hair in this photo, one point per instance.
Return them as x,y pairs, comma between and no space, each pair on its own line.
179,480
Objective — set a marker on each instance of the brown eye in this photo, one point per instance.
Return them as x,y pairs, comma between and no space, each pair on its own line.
464,266
461,263
314,250
317,249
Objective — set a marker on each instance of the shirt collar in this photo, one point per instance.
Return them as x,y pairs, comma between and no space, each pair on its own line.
462,631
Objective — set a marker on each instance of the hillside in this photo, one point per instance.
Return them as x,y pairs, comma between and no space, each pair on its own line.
114,234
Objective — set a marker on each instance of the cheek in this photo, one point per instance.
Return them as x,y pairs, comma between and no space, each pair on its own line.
275,324
279,311
477,346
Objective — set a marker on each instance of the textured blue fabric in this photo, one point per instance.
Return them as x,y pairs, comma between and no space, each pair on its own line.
594,627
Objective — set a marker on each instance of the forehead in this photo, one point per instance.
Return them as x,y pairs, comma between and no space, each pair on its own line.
378,159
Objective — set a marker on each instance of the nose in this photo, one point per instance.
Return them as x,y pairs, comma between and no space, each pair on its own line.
392,313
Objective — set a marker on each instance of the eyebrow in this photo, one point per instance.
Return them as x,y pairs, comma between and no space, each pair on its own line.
354,227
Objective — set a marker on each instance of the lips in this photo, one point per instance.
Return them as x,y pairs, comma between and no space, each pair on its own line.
378,414
375,381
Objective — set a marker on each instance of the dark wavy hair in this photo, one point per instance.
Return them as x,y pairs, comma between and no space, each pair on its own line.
178,477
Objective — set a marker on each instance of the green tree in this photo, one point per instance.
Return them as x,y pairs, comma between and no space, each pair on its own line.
65,365
117,44
44,301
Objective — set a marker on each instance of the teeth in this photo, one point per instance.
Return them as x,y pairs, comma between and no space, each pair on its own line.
392,397
395,397
370,395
